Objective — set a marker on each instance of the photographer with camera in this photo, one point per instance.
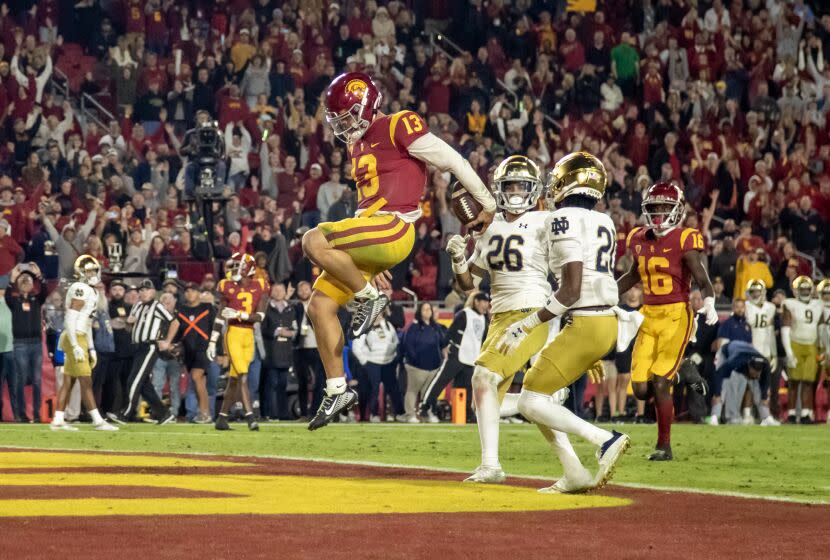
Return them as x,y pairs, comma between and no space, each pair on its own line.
204,147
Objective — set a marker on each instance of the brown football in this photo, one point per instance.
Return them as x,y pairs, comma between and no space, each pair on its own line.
465,207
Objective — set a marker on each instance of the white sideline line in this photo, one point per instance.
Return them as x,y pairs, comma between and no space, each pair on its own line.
635,485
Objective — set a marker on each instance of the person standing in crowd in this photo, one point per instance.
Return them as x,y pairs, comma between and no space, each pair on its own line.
307,364
278,330
377,352
77,344
423,342
7,362
466,333
104,339
25,306
121,361
153,330
168,369
195,322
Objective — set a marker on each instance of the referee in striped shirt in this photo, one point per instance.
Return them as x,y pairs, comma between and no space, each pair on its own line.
153,328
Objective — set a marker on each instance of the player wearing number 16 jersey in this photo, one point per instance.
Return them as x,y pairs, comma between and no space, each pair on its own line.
389,156
244,301
666,258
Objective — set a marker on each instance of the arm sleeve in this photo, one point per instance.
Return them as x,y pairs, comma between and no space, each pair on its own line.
433,151
563,241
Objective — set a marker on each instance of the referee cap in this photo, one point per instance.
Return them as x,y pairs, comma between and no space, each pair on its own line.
146,284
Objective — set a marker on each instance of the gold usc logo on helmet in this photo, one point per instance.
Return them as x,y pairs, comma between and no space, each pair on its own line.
577,173
357,87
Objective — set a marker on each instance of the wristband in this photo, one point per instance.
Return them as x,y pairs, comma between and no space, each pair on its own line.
243,316
555,307
459,268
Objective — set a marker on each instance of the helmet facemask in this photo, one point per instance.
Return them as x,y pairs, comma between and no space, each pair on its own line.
804,293
663,215
349,126
517,196
825,297
756,295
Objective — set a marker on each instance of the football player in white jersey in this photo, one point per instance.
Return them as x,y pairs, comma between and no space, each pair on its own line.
760,316
581,257
513,251
76,343
799,335
823,291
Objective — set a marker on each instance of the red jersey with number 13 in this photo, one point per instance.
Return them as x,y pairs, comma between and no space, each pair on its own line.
387,176
660,262
243,299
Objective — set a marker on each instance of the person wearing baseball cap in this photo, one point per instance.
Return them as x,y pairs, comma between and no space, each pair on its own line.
466,333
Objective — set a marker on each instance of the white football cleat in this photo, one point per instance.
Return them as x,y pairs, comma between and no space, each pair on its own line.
608,454
712,420
62,426
106,427
432,418
770,421
572,483
487,475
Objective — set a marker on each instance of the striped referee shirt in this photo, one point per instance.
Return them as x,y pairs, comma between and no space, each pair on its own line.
151,322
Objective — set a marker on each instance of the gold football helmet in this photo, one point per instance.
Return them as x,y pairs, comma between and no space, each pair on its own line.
823,290
803,288
577,173
756,291
88,269
517,184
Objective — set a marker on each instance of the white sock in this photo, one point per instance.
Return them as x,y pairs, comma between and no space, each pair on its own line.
58,419
368,292
96,416
791,412
806,412
486,398
716,409
335,386
747,412
540,409
571,465
510,405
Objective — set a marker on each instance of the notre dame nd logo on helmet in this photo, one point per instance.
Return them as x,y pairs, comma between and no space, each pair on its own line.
357,87
559,225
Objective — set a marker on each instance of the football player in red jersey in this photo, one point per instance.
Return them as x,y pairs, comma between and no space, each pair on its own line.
243,305
666,259
389,156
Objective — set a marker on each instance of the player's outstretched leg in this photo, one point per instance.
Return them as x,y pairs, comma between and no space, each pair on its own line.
58,422
541,409
486,397
339,396
250,418
89,402
576,479
229,398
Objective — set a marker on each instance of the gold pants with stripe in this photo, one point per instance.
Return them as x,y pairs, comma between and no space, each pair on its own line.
375,243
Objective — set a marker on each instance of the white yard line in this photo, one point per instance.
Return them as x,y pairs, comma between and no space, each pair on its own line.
727,493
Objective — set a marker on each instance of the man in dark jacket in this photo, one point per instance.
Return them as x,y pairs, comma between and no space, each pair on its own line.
25,306
278,330
307,364
119,369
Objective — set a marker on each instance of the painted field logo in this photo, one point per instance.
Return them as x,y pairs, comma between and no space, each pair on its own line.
36,484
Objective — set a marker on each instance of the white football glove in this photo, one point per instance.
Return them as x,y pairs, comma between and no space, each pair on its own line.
457,248
93,358
229,313
792,361
516,333
211,351
79,354
709,311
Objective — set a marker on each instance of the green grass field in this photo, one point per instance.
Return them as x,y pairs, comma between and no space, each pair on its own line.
788,462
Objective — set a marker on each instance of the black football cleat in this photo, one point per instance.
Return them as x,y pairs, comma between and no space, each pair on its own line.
366,311
791,419
331,407
222,423
661,454
253,425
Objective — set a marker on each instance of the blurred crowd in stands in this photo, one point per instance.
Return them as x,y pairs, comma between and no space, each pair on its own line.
727,98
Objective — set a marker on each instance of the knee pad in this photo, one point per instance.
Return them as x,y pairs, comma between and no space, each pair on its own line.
528,403
483,377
